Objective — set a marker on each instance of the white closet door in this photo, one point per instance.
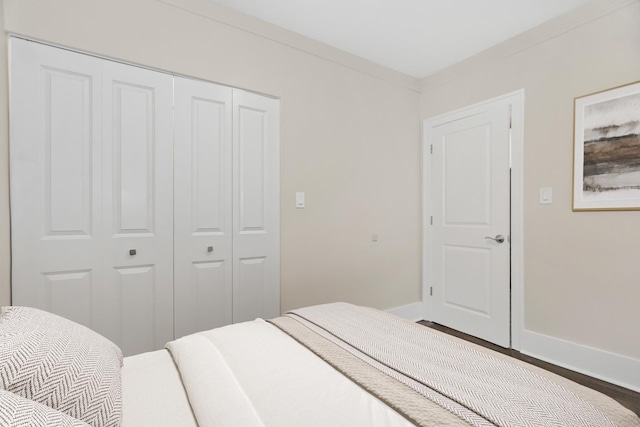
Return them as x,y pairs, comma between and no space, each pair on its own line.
256,205
203,214
56,181
138,207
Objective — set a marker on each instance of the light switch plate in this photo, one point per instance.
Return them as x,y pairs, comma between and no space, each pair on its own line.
546,196
300,200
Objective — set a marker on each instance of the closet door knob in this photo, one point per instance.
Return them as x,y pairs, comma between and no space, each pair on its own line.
132,251
209,248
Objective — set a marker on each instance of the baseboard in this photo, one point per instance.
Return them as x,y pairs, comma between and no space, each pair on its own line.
413,311
614,368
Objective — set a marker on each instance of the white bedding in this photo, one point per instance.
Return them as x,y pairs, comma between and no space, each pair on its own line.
253,374
152,392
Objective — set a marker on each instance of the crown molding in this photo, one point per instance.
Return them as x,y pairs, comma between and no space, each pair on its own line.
549,30
228,16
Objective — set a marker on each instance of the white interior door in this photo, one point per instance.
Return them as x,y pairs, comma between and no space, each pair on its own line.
56,185
470,288
137,207
256,205
203,206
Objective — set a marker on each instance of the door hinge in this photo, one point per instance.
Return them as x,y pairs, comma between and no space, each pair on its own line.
431,149
431,220
431,291
510,116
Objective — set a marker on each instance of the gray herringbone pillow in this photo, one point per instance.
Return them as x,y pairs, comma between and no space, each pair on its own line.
17,411
61,364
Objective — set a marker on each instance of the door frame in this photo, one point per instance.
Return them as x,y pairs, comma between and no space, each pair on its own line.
516,101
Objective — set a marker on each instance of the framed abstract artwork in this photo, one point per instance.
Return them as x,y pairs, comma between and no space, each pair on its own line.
606,150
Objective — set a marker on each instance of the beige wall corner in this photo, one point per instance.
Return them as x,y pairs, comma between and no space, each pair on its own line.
5,250
581,268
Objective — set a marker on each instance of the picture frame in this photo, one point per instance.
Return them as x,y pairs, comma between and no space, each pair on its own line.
606,150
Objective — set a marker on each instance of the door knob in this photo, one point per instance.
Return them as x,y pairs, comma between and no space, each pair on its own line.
499,238
209,248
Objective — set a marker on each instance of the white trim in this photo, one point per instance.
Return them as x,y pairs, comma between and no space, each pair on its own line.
613,368
517,218
470,110
427,231
228,16
411,311
516,100
549,30
11,35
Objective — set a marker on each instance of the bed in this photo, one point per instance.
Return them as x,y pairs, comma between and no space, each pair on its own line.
328,365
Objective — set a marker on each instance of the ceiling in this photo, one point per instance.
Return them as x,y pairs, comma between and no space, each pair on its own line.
415,37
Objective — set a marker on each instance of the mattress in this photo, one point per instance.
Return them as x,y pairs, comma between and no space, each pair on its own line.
264,373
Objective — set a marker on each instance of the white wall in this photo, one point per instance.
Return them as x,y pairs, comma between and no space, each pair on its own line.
582,269
350,133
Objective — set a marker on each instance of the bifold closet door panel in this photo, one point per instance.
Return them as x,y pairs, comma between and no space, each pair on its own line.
256,206
97,235
203,214
56,181
137,156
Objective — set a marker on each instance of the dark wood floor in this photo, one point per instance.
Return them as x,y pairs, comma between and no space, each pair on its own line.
626,397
